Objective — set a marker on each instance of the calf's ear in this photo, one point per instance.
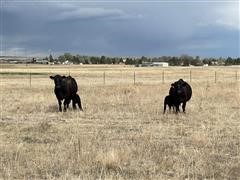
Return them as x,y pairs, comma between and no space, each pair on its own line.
51,77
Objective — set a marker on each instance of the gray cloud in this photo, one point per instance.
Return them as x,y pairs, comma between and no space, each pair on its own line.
93,13
123,29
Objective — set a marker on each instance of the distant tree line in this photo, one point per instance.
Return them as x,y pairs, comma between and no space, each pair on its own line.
78,59
183,60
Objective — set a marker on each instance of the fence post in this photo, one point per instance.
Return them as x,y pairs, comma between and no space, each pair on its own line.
163,76
134,78
190,76
104,78
30,79
215,76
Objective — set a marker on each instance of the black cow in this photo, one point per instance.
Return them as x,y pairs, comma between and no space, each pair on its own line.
180,92
66,89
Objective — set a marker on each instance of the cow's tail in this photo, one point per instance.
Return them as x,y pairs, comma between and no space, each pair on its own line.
78,100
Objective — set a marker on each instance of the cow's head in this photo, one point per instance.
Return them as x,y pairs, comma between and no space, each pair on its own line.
58,80
178,87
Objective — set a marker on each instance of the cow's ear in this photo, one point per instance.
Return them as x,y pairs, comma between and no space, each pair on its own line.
51,77
63,76
184,84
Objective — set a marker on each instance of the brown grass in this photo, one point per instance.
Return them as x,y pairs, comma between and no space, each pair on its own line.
122,133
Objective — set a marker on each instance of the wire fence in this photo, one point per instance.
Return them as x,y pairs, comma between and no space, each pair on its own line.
120,77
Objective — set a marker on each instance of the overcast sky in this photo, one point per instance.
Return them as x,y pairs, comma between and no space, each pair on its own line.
120,28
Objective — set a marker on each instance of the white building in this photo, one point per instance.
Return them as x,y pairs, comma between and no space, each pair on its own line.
161,64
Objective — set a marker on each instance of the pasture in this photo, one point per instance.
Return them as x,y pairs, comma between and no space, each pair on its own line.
122,132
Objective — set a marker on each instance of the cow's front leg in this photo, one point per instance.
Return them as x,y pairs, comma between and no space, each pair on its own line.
170,108
60,105
66,103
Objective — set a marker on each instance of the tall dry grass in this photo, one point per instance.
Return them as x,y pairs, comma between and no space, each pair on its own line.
122,133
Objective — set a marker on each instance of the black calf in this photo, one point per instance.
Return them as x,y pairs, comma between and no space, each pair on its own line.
168,101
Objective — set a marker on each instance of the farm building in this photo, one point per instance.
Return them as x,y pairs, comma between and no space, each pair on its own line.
22,60
145,64
15,59
41,61
161,64
151,64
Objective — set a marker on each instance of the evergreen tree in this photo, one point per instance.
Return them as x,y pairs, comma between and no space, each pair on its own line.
50,58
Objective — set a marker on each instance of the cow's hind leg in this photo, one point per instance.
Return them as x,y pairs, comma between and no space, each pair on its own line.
74,102
184,106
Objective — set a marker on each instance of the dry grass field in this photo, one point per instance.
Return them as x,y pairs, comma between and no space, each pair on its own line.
122,133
